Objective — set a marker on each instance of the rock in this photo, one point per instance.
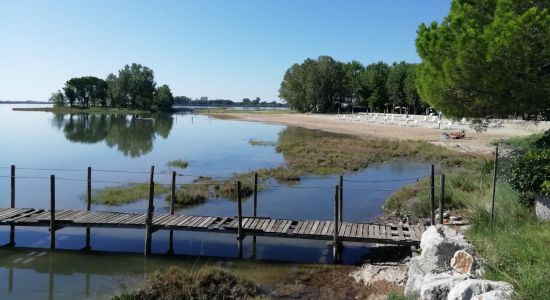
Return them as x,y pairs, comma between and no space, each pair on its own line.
437,286
542,208
470,288
391,273
462,262
493,295
415,277
455,218
439,244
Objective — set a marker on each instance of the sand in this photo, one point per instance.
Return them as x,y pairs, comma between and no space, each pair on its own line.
473,143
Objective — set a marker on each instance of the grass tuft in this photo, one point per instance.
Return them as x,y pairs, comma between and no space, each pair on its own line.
206,283
118,195
255,142
178,163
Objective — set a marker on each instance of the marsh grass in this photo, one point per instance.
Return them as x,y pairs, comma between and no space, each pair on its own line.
461,186
178,163
118,195
206,283
515,246
255,142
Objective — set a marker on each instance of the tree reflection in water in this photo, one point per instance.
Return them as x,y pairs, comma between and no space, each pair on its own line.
133,136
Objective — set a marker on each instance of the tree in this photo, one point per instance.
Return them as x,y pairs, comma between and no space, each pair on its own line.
411,92
395,84
376,76
85,91
163,98
246,101
58,99
315,85
137,85
256,101
488,58
355,85
114,93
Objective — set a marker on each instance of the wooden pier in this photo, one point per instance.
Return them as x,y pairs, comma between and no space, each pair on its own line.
335,230
303,229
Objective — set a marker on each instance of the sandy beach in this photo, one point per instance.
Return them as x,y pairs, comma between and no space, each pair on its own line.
473,143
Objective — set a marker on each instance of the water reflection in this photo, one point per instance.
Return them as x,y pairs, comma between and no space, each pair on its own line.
133,136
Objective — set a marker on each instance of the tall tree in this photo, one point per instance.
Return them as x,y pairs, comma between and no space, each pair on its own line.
376,76
58,99
488,58
86,91
411,92
137,85
163,98
395,84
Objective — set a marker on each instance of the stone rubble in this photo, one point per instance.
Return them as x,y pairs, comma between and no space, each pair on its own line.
448,269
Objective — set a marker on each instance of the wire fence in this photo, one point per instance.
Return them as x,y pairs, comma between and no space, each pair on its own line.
205,180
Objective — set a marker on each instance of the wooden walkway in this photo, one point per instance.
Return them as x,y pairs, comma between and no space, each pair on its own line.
257,226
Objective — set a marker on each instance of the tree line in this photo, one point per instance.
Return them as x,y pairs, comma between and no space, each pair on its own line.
134,87
204,101
325,84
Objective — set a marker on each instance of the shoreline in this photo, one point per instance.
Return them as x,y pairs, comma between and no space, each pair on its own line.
474,143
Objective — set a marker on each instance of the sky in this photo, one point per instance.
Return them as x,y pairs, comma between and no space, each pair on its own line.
215,48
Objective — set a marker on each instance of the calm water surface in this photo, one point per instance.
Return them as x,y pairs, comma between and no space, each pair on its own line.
212,147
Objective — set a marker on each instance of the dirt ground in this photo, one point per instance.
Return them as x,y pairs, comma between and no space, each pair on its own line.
473,143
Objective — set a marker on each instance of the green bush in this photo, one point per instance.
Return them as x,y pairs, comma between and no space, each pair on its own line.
530,172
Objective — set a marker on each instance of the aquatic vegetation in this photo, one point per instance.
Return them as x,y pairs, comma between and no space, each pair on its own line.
118,195
206,283
255,142
178,163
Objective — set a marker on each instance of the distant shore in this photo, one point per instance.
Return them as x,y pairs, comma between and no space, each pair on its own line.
77,110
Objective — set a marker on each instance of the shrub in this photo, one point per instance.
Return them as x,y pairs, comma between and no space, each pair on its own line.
530,172
207,283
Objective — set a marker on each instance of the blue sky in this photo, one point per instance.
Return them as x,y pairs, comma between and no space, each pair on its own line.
220,49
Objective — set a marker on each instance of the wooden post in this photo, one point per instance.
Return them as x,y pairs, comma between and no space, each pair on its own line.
240,220
494,185
432,196
172,210
335,248
12,205
341,200
255,211
52,212
442,198
149,218
255,194
89,207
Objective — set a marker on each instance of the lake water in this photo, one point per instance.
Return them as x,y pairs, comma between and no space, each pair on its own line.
71,143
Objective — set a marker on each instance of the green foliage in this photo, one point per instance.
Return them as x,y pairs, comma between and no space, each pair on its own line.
163,98
530,172
134,87
255,142
487,58
543,142
205,284
325,84
86,91
461,186
514,246
315,85
178,163
58,99
376,76
395,84
118,195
